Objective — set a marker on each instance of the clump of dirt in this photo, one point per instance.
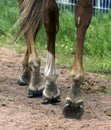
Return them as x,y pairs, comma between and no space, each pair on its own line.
17,112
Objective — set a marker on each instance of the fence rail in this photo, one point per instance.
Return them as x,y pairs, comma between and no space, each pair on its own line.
99,6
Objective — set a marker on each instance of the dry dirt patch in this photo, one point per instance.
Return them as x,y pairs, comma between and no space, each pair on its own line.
17,112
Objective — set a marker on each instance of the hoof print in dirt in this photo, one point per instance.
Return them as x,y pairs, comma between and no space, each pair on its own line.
32,93
72,110
51,101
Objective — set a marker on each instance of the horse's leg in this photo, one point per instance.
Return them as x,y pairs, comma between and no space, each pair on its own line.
31,63
34,65
24,77
50,19
74,102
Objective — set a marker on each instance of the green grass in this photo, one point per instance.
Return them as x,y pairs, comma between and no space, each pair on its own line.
8,17
97,49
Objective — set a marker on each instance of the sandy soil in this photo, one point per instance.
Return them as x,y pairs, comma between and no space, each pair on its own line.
17,112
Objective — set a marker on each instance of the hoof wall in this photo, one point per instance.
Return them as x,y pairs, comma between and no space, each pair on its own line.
51,101
32,93
72,110
19,82
40,91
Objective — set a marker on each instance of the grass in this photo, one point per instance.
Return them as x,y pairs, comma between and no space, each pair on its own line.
97,49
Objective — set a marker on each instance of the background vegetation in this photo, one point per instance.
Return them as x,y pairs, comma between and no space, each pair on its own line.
97,50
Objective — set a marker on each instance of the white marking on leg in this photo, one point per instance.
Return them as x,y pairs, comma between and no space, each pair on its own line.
79,19
21,80
51,72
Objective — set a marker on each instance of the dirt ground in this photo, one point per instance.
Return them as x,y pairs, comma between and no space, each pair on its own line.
17,112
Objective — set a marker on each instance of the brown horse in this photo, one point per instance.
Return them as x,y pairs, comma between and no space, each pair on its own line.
32,14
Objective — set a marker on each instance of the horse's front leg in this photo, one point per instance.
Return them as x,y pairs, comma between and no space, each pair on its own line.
50,19
74,102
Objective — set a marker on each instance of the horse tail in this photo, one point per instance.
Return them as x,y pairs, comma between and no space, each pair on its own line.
30,15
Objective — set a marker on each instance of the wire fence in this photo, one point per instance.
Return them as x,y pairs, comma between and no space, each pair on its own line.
99,6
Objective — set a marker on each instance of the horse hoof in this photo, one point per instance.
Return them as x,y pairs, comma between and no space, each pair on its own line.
40,91
73,110
21,83
51,101
32,93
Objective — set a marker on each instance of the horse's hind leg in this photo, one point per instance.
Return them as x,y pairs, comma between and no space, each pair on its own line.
31,65
74,102
50,19
24,77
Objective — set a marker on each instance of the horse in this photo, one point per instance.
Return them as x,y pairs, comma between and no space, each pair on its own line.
34,13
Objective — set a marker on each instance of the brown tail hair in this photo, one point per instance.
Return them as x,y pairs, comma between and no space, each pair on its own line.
30,15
